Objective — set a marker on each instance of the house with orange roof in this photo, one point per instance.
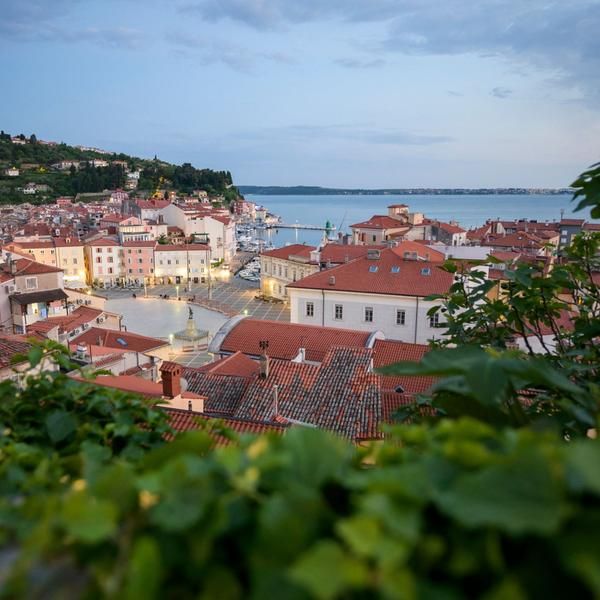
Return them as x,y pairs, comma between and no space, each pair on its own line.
383,291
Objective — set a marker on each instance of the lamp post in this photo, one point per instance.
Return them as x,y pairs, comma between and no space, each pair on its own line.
145,289
177,290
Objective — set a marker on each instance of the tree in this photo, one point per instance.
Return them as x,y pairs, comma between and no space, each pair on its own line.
33,139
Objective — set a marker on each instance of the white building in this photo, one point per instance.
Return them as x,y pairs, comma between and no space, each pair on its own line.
379,292
181,263
205,225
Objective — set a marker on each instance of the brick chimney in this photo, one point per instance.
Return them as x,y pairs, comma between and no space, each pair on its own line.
263,362
171,379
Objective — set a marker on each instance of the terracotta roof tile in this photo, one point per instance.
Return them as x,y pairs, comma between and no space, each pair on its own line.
413,278
287,252
286,339
109,338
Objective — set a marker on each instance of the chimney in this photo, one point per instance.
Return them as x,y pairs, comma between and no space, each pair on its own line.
171,379
264,366
13,267
332,280
302,353
275,401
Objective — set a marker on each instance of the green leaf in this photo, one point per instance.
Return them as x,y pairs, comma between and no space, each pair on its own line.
88,519
583,457
519,496
327,571
59,425
145,570
35,356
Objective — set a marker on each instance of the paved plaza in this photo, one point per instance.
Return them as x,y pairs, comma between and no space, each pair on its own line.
233,297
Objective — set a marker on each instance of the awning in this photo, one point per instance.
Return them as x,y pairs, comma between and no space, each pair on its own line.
25,298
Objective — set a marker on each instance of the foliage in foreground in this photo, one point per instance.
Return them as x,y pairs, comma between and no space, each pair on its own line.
452,511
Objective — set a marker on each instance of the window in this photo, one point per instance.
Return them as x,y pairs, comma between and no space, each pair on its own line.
426,271
109,249
395,269
31,283
374,238
400,317
140,261
98,259
129,251
110,259
373,269
110,270
434,320
310,309
98,249
339,312
368,314
140,270
293,274
130,271
286,273
128,261
74,261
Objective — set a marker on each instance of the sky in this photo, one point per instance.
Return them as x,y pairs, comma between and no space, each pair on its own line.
340,93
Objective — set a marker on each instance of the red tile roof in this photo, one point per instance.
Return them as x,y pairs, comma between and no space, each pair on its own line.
184,420
449,228
67,323
379,222
286,339
109,338
364,275
103,242
30,267
11,345
237,364
574,222
181,247
149,244
423,252
343,253
287,252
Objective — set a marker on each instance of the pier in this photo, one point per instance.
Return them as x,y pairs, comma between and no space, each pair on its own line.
299,226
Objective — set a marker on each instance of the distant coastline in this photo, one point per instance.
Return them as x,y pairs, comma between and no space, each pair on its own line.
302,190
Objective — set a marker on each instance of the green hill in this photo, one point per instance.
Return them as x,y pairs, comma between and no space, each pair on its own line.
38,163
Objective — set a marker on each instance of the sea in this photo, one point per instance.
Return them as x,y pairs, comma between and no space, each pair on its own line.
344,210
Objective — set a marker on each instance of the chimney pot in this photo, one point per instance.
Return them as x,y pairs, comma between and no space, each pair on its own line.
264,366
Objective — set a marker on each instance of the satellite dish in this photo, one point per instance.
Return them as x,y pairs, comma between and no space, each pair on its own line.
184,385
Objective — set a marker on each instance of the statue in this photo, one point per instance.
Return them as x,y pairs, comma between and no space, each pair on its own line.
191,313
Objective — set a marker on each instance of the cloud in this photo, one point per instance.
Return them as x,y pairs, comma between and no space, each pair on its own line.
351,133
276,14
500,92
355,63
35,20
560,37
206,52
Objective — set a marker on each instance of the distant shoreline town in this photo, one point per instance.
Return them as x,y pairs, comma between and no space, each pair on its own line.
299,190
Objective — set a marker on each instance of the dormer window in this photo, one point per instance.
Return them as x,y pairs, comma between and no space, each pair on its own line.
373,269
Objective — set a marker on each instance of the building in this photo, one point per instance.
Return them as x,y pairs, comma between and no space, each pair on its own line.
138,258
383,291
569,228
10,347
67,254
104,260
35,292
204,225
181,263
285,265
11,172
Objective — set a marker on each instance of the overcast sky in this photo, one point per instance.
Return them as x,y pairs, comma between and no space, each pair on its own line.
349,93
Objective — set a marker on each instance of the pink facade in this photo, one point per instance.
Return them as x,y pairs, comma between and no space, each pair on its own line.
138,258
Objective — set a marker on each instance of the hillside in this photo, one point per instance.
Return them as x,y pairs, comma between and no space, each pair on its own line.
38,171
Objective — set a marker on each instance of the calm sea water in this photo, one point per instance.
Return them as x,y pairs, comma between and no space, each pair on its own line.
469,211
